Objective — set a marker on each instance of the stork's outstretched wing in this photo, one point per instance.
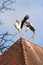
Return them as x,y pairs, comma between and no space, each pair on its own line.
23,21
30,26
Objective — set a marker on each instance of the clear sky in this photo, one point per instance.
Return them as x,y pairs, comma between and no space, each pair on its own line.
33,8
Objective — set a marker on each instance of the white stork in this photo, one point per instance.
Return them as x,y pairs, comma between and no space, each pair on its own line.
19,25
30,26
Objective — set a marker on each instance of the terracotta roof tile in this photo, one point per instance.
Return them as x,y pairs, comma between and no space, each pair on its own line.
22,52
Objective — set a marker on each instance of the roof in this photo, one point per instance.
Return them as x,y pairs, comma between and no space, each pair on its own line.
22,52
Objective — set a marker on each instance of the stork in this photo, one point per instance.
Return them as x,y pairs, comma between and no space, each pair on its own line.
31,27
19,25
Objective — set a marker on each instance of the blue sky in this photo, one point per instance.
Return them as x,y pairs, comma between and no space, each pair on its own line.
33,8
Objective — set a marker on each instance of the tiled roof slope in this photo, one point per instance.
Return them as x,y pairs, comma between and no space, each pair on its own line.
22,52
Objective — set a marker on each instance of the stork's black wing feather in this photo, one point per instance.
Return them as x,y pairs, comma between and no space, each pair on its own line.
32,28
28,24
23,21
